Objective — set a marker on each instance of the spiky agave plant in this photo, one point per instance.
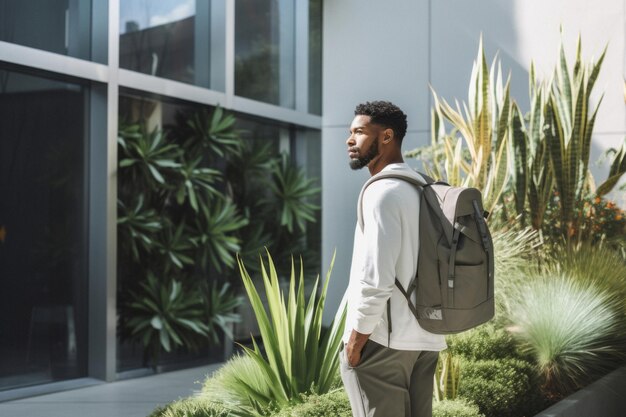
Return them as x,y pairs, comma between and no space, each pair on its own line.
574,330
297,356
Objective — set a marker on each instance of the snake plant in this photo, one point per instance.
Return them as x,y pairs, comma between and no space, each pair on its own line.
480,127
570,118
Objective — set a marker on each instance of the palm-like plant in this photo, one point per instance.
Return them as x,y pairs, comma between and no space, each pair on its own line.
216,134
164,315
138,226
292,189
221,304
175,247
215,237
146,155
195,177
299,357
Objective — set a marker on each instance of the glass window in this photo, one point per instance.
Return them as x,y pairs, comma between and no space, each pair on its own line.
315,57
182,40
155,114
265,51
60,26
43,232
243,175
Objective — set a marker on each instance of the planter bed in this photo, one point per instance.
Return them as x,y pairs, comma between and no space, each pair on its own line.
603,398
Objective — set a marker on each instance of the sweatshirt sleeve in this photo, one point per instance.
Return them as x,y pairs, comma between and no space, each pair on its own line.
382,238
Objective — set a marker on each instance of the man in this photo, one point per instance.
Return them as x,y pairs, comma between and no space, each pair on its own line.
387,368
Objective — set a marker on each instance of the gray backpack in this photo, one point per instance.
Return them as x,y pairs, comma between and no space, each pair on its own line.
455,269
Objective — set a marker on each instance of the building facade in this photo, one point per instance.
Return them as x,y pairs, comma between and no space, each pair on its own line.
72,72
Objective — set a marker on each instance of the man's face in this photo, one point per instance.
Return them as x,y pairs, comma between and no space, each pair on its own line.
363,141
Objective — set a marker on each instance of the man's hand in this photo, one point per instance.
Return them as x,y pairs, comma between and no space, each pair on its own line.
354,347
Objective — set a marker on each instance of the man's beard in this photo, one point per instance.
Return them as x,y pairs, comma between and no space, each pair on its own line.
358,163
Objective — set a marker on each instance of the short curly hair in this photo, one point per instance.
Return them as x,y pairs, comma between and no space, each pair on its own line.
386,114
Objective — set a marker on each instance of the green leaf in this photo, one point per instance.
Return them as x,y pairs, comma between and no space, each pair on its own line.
156,323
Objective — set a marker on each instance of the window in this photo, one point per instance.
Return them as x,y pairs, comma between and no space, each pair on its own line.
315,57
265,51
43,239
182,40
60,26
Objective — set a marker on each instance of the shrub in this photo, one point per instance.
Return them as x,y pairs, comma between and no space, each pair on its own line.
191,407
596,264
486,342
456,408
574,331
500,388
334,403
515,249
231,384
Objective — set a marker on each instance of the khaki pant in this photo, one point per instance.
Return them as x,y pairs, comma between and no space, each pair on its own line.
389,382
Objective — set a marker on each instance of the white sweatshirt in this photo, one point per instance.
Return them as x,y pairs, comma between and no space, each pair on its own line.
387,248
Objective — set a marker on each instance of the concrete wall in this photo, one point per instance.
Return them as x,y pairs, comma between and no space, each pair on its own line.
394,49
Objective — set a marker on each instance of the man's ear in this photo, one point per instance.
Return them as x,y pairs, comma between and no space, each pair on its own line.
387,135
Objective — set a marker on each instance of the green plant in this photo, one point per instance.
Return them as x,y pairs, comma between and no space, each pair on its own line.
533,178
447,375
592,264
215,233
456,408
175,246
617,169
191,407
138,226
573,330
334,403
193,194
500,388
298,358
237,385
516,249
292,189
482,125
569,124
597,220
486,342
146,155
195,177
163,315
173,216
220,304
215,133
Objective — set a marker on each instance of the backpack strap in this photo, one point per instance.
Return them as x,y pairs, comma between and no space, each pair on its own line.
423,181
407,294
